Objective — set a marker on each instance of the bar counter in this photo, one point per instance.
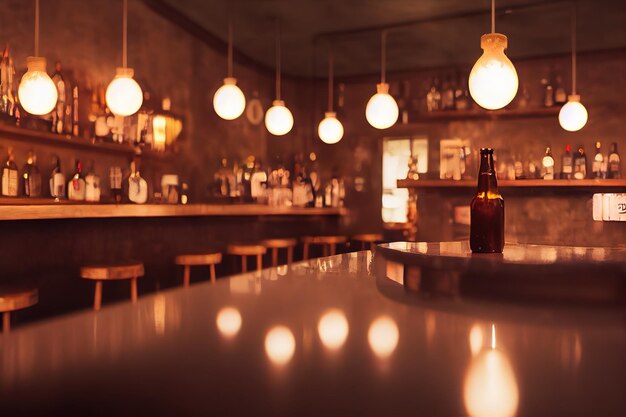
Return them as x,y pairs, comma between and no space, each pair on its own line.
330,336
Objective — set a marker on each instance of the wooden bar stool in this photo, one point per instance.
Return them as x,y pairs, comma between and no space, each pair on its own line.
366,238
101,273
12,300
275,244
328,243
248,250
190,260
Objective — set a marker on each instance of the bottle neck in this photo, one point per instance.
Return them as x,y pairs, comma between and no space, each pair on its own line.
487,180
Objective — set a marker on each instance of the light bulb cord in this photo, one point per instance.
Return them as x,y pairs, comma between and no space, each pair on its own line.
277,59
383,55
493,16
330,79
573,28
36,27
125,35
230,49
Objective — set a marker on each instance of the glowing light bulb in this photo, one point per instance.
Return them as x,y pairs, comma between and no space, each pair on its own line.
278,119
124,96
382,110
493,80
280,345
228,321
333,329
573,115
330,129
229,101
383,336
37,92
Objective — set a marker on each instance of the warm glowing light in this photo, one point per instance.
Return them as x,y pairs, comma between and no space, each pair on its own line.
228,321
159,132
280,345
124,96
229,101
37,92
493,80
333,329
573,115
382,110
383,336
330,130
476,339
278,119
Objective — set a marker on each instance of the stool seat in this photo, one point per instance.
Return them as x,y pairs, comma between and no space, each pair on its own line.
279,243
246,250
16,299
100,273
329,244
112,272
197,259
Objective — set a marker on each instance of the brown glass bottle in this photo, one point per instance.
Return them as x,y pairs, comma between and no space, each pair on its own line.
487,209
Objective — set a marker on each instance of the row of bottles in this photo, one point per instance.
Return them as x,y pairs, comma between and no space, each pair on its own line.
574,164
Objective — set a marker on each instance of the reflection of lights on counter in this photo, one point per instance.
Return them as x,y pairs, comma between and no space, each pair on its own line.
228,321
280,345
282,270
476,339
333,329
490,388
159,314
383,336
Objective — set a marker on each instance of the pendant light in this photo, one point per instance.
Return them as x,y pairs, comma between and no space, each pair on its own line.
37,93
229,101
573,115
382,110
330,130
278,118
124,96
493,80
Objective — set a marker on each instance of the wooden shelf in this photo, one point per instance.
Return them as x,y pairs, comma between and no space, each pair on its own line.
68,141
93,211
594,185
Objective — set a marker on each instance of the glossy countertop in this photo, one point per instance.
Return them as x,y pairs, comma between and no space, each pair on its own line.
330,336
25,209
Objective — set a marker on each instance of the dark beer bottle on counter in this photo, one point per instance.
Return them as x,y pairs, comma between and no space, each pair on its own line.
614,170
580,164
487,209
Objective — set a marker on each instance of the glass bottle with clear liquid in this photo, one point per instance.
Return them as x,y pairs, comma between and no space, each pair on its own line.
487,209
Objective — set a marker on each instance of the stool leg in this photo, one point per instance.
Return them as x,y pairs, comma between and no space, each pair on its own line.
305,251
289,255
259,262
212,266
244,263
363,245
325,249
97,298
186,276
372,246
274,257
333,249
6,322
133,289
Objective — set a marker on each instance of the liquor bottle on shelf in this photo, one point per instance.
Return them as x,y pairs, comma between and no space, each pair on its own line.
258,183
9,176
100,115
447,95
548,93
524,98
57,180
137,186
580,164
184,193
462,100
58,114
76,184
31,177
7,74
614,170
433,97
518,167
566,163
548,165
75,118
532,170
560,96
598,167
115,182
487,209
92,185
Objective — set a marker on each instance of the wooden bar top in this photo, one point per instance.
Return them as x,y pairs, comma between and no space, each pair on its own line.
86,211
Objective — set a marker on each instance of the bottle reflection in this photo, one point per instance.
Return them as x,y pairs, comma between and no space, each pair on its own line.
280,345
333,329
383,336
490,388
228,322
476,339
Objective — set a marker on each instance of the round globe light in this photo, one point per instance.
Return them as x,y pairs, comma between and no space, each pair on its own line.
37,92
493,80
330,130
124,96
382,110
229,101
278,119
573,115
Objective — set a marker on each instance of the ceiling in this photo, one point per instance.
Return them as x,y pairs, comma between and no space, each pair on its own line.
436,38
